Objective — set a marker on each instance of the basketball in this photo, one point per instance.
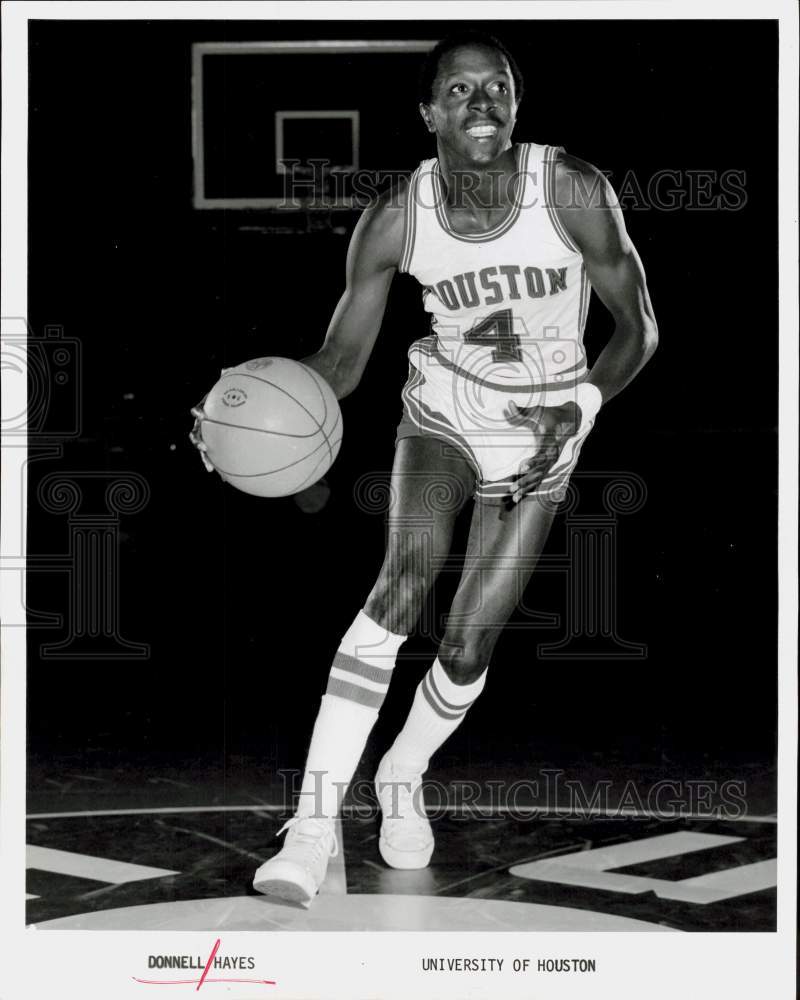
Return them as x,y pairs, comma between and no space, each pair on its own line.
271,426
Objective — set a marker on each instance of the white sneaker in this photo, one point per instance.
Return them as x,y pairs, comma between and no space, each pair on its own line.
406,839
298,869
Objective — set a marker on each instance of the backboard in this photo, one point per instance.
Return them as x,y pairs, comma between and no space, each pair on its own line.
287,125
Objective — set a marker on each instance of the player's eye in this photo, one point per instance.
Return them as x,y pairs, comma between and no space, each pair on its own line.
458,88
501,87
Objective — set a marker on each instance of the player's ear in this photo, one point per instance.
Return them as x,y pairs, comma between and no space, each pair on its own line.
427,117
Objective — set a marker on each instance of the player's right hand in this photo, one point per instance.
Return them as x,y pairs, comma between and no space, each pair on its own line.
196,433
552,427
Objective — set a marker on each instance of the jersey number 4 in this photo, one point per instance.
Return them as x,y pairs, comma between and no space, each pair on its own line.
497,332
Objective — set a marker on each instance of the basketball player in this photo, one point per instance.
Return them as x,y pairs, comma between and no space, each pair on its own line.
507,241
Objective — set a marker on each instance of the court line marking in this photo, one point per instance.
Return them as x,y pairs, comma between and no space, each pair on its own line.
593,869
50,859
737,881
484,812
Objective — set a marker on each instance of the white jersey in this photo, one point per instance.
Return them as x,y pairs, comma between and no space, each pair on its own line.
508,306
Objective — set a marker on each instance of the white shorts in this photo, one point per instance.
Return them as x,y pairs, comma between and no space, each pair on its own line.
474,419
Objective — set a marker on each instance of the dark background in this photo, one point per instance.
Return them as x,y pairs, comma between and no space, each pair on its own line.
242,600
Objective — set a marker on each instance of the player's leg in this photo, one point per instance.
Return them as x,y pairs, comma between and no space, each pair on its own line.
503,550
503,547
430,483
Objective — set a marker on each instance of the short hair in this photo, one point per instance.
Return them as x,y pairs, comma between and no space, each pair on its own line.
460,40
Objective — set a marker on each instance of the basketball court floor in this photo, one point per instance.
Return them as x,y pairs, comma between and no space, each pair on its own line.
175,850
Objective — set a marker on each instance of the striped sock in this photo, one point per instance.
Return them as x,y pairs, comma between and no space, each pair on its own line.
357,685
438,708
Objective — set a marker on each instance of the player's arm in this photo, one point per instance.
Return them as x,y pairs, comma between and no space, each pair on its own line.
372,259
589,211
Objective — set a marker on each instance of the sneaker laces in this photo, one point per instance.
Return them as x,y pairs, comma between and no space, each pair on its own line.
322,837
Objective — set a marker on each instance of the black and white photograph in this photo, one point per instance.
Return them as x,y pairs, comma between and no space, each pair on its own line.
399,508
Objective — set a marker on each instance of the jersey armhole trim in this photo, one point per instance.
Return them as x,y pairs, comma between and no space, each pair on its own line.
409,224
586,293
549,167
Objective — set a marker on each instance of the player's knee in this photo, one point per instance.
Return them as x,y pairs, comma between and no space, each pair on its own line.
464,661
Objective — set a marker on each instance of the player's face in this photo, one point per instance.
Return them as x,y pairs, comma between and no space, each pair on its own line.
473,108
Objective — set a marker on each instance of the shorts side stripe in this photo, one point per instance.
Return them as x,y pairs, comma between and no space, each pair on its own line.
427,422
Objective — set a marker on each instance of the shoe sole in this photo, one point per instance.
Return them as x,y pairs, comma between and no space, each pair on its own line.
405,860
287,885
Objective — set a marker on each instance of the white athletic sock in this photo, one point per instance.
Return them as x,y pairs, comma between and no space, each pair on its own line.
438,708
357,685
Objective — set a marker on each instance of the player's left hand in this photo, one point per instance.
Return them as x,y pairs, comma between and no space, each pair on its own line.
552,426
196,433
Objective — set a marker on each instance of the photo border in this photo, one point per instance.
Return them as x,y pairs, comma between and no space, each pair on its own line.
355,964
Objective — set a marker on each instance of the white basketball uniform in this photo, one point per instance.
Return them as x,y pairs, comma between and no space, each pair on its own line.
508,309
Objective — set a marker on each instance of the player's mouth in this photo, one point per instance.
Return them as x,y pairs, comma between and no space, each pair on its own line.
483,132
